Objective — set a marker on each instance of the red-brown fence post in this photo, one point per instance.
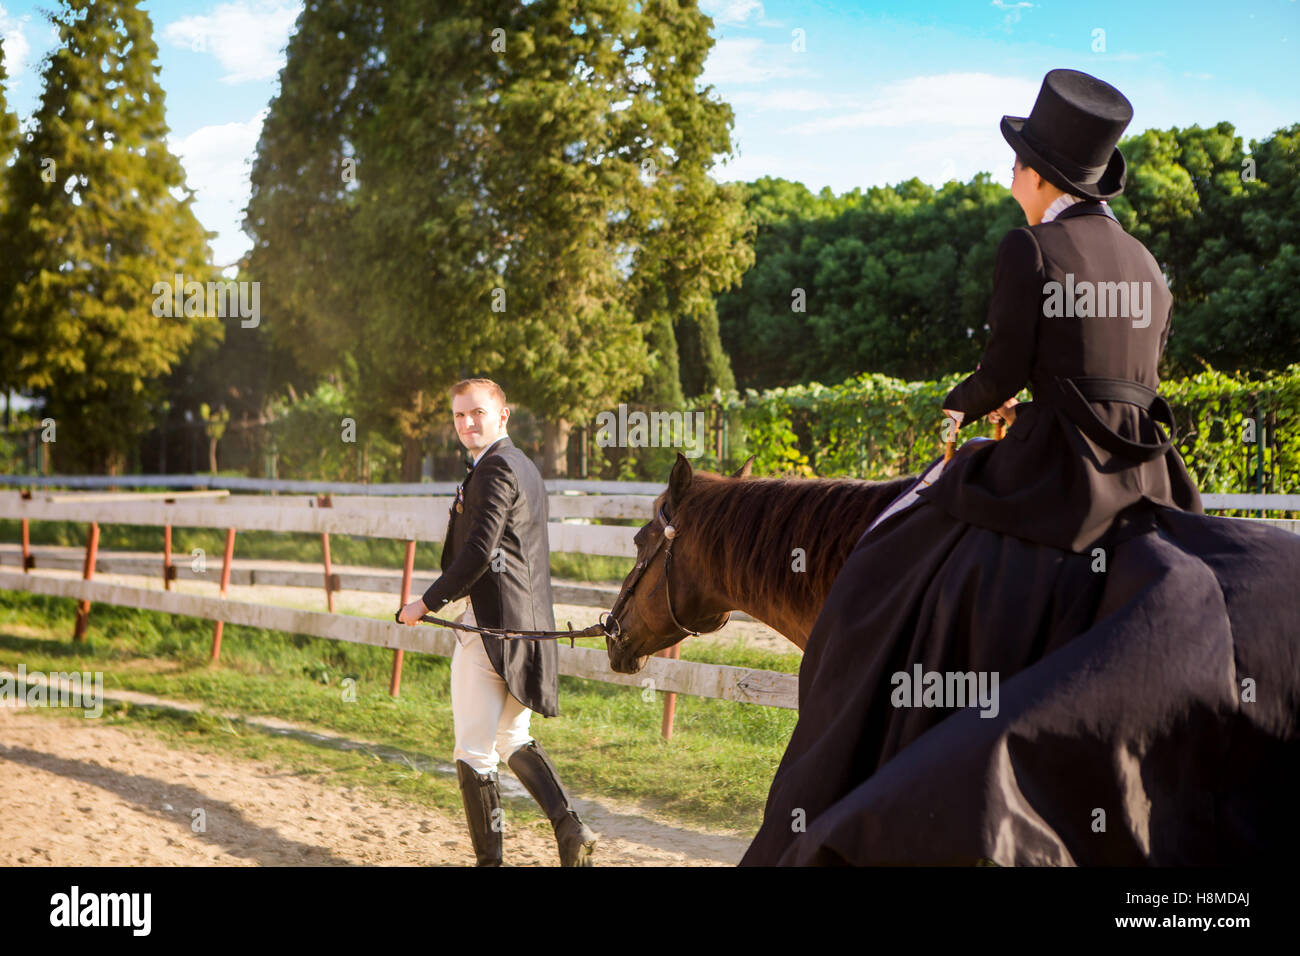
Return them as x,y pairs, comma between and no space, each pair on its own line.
408,569
29,562
670,697
225,584
87,572
167,557
329,590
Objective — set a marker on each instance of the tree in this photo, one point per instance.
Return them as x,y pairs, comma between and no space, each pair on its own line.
94,227
8,144
895,280
518,191
1225,228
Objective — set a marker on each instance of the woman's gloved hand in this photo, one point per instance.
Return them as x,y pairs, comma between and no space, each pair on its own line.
1006,413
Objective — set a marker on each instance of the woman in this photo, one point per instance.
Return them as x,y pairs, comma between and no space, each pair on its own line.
1036,662
1080,312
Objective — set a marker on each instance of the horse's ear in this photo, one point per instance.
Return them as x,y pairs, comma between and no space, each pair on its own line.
746,469
679,482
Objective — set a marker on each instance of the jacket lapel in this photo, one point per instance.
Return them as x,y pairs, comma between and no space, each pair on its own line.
503,443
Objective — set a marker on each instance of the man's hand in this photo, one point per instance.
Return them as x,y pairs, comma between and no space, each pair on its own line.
412,613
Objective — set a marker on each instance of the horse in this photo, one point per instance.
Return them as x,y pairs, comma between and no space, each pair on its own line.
770,547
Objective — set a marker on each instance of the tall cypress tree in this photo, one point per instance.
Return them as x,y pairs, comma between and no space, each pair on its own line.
8,143
8,131
94,226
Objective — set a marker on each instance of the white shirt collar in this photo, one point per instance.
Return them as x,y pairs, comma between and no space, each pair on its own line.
486,450
1060,204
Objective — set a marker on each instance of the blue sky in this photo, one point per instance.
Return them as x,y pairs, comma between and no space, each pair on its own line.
827,92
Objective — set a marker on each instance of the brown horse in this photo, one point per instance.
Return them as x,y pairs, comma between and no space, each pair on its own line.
770,547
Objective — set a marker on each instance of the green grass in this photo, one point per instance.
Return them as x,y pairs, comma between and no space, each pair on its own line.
714,772
290,546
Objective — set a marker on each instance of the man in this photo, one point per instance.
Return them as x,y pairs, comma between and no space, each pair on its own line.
497,552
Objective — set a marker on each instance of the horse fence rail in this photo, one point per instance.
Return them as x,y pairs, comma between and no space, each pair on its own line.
422,519
405,512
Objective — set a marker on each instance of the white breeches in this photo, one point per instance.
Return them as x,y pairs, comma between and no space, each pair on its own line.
490,724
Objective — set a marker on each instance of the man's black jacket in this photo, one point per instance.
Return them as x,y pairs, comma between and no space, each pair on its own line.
497,552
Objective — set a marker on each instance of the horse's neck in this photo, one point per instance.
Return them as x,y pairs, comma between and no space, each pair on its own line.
785,582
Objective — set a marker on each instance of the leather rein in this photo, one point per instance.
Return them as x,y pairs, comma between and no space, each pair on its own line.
613,630
609,626
596,630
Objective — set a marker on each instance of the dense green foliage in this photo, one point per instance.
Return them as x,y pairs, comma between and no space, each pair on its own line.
876,427
1226,229
897,280
519,191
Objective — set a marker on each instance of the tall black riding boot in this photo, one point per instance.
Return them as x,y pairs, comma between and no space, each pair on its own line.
482,799
536,772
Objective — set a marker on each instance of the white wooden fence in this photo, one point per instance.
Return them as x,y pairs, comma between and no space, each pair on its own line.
423,519
389,511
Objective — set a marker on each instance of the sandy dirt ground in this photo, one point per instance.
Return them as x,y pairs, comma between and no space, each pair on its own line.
77,792
107,795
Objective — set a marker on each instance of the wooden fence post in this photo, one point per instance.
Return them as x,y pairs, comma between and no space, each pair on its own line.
29,562
670,697
225,584
329,589
87,572
408,569
168,571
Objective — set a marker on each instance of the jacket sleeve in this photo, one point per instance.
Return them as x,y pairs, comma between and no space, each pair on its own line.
488,503
1018,280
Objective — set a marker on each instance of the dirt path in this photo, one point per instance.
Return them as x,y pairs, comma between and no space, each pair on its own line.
77,792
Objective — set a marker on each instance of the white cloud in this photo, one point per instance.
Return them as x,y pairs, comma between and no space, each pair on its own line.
746,60
16,47
246,36
217,161
880,157
782,100
936,128
747,168
949,99
731,11
1012,10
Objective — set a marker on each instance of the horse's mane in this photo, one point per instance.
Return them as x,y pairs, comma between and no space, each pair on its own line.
753,524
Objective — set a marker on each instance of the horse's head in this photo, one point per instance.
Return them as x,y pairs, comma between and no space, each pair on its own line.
661,600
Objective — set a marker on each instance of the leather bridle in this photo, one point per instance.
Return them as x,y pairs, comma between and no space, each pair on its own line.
613,630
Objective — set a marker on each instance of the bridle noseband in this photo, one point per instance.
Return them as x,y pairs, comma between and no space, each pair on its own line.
613,630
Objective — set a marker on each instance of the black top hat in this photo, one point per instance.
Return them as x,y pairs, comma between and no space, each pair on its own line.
1070,135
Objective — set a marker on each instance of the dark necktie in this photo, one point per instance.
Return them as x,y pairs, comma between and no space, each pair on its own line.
460,489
